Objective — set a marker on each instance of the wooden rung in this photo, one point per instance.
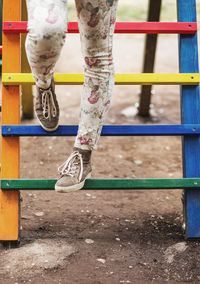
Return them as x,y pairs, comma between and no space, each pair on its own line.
117,184
120,79
121,27
108,130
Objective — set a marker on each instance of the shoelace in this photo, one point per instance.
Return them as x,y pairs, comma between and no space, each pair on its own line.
48,104
70,166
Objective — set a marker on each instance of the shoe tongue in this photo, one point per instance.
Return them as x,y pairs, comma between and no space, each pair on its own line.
86,154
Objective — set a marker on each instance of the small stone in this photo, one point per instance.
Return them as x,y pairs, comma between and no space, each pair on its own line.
120,156
130,266
138,162
39,214
117,239
101,260
89,241
167,148
25,218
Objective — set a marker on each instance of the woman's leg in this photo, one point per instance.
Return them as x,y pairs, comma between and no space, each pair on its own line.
96,24
47,24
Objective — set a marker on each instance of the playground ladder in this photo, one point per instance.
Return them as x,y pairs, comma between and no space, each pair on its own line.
1,6
188,79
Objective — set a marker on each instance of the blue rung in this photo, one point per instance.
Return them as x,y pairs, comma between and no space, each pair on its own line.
108,130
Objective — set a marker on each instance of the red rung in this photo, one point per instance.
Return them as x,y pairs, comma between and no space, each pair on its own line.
0,49
121,27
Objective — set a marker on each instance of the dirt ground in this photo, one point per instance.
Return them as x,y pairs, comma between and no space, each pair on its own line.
96,237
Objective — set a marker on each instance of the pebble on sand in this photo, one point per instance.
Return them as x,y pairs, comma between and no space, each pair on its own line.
89,241
101,260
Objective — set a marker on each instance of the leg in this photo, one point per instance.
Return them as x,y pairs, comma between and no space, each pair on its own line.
96,26
47,24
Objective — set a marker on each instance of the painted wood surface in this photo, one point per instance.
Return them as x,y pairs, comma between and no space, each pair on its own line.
120,79
9,200
1,20
108,130
190,101
121,27
25,184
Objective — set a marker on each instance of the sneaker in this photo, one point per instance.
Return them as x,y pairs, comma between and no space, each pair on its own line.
46,108
73,172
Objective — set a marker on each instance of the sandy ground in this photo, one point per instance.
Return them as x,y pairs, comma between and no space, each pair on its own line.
101,237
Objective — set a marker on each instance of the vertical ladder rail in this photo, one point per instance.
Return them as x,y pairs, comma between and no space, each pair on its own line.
9,201
1,6
190,107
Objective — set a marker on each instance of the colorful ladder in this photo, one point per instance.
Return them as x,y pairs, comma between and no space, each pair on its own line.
1,6
189,129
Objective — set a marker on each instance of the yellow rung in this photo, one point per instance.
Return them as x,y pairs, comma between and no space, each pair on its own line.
120,79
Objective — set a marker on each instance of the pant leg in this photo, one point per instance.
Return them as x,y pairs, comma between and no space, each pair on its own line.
47,24
96,25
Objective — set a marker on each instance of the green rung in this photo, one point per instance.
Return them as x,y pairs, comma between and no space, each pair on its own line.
40,184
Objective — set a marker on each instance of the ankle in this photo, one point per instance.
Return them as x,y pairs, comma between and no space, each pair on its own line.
86,154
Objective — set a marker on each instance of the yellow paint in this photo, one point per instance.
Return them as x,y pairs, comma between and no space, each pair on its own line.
9,200
120,79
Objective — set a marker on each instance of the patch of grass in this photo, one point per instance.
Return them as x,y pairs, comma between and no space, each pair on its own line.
137,12
72,17
128,13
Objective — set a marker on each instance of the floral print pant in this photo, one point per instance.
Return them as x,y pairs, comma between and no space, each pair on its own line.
47,24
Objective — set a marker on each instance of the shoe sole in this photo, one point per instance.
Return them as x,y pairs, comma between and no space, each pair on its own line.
46,129
72,188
